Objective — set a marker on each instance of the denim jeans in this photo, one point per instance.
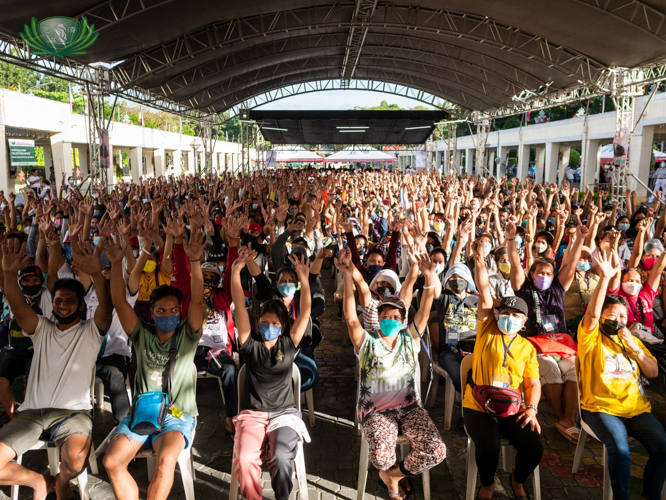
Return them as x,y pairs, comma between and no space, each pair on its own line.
613,431
449,362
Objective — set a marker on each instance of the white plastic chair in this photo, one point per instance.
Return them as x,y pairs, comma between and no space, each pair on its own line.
449,395
99,391
507,449
205,374
299,462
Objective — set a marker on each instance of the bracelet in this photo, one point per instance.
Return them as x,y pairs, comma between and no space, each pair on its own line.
429,287
637,351
510,239
195,260
145,251
536,411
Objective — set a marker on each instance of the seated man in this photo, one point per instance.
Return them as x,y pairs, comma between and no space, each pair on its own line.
152,344
57,401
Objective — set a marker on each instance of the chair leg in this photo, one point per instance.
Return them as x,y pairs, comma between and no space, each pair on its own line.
608,490
425,476
219,381
300,472
507,457
537,483
92,460
433,392
309,397
54,459
82,480
99,393
233,484
471,470
151,463
186,467
363,460
579,450
449,401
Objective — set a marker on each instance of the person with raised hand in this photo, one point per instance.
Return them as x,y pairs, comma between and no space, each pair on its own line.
611,362
57,399
388,400
153,344
269,398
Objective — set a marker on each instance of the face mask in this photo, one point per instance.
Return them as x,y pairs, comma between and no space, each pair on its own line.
631,289
429,247
487,247
95,213
287,289
253,240
543,282
58,222
457,286
31,290
218,222
166,324
135,251
72,182
385,291
566,238
269,332
210,285
649,263
96,240
390,327
293,212
68,252
222,269
584,265
540,247
93,228
26,229
552,220
149,267
66,320
519,240
505,267
254,206
508,324
623,227
361,249
374,269
439,268
611,327
439,225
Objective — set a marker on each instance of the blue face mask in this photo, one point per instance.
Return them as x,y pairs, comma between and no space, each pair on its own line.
487,247
95,213
439,268
68,252
269,332
390,327
166,324
552,220
374,269
519,240
623,227
96,240
254,206
509,324
94,228
253,240
287,289
584,265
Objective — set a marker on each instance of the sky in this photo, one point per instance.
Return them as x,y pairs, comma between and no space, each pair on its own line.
340,99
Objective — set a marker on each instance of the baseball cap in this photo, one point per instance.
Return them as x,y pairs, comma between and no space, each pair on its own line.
393,301
217,254
134,241
515,303
255,227
210,267
30,271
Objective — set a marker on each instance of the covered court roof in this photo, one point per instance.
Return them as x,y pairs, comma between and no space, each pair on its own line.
212,55
347,127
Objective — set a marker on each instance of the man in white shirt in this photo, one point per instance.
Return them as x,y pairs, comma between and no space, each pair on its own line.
57,399
35,181
659,179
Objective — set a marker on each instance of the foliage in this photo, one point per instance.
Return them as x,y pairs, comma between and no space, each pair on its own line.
39,156
574,157
385,106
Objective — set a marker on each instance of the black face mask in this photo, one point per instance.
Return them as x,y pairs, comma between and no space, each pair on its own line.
31,290
611,327
385,291
66,320
457,286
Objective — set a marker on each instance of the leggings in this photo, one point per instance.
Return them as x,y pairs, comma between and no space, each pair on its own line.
486,430
381,430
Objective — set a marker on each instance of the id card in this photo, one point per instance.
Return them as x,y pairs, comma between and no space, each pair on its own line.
641,389
502,380
549,323
453,334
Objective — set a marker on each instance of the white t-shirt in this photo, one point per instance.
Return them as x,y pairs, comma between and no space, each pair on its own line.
214,332
45,304
62,366
117,341
35,181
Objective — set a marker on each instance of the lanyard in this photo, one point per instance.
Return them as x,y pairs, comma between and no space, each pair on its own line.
462,304
634,310
506,349
427,350
537,306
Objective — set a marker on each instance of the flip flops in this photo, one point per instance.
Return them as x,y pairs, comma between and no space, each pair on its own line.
572,434
396,496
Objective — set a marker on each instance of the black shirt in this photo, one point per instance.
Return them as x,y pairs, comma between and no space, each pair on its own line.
268,384
551,302
452,311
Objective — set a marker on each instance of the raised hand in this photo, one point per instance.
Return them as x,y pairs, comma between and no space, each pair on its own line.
123,227
301,265
603,265
115,251
85,260
245,255
13,259
194,247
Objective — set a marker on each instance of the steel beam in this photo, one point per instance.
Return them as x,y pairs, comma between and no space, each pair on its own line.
357,34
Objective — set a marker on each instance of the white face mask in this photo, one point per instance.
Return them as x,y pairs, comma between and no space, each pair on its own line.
26,230
135,251
540,247
631,289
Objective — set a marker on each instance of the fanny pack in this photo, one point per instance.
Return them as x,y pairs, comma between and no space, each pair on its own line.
151,408
497,401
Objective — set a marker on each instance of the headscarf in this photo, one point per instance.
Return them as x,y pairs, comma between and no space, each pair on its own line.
463,271
388,276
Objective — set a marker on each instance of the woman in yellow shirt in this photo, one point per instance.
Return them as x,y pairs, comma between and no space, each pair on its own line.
503,359
612,396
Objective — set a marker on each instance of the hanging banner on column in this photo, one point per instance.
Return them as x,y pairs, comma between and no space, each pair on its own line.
104,159
420,159
621,147
22,152
271,158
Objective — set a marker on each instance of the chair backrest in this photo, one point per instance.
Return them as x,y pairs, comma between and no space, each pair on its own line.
295,382
465,367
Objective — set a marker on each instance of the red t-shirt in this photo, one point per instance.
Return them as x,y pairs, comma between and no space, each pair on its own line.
642,311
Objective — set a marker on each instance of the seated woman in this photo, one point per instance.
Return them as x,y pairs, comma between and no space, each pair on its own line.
502,358
612,398
269,396
388,399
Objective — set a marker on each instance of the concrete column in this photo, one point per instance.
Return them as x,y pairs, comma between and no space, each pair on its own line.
469,161
551,157
48,159
159,156
540,162
502,153
566,155
590,162
190,162
490,160
523,160
7,184
62,156
438,160
640,155
83,159
136,163
177,162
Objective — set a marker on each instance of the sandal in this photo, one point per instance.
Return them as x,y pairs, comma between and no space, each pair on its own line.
518,497
412,487
572,434
392,495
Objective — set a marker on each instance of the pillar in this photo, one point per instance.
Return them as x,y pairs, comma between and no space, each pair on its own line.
6,184
159,156
540,161
62,156
490,161
640,156
469,161
48,159
590,162
566,155
83,159
177,162
551,157
136,163
523,161
458,159
111,171
502,153
438,160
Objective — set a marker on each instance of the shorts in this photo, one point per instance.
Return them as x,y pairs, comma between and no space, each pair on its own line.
16,364
50,424
184,425
552,371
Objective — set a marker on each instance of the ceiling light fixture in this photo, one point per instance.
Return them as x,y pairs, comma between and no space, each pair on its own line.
417,128
275,128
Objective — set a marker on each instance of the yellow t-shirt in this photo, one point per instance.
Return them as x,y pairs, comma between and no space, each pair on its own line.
147,283
489,357
609,375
